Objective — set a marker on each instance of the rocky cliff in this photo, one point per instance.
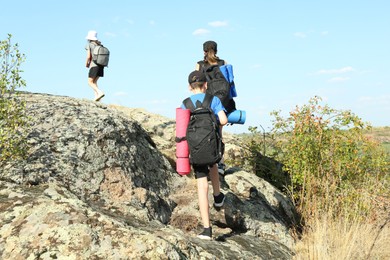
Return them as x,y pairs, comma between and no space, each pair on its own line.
99,183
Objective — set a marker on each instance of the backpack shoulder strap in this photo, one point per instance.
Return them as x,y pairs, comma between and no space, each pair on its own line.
188,104
202,66
221,62
207,101
95,45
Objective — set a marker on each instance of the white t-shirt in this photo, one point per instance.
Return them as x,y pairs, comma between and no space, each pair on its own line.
91,45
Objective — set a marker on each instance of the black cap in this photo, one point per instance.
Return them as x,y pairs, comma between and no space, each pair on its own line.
210,45
196,76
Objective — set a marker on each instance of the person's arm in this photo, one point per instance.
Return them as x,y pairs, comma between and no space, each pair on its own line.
222,118
89,58
219,110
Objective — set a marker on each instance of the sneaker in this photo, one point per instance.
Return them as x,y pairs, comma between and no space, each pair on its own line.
206,234
221,168
100,96
219,200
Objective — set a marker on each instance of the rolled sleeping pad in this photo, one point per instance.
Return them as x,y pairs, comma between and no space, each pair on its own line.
227,71
183,166
237,117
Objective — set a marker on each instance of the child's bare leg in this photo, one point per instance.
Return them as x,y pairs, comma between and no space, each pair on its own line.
214,177
92,82
203,189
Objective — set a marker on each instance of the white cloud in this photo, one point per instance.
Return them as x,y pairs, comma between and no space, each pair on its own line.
256,66
338,79
300,34
379,100
158,101
116,19
336,71
110,34
311,32
120,94
218,23
201,32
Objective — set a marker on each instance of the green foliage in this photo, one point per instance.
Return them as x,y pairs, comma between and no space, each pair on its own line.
259,153
333,166
13,121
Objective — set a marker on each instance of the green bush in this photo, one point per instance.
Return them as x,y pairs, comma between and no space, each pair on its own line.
259,158
333,167
13,121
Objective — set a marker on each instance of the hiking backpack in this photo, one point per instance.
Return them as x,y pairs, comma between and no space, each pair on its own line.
203,136
218,85
101,55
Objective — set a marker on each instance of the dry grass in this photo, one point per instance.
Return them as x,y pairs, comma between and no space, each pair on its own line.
343,234
381,134
326,238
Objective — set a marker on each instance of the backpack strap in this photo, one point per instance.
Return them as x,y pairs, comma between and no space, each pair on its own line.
221,62
204,68
207,101
188,104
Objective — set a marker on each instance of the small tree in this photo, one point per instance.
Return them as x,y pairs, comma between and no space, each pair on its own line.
13,121
333,166
259,158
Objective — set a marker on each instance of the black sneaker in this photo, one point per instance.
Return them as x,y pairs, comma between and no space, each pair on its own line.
219,200
221,168
206,234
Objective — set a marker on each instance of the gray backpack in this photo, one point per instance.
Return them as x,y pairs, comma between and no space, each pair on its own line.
101,55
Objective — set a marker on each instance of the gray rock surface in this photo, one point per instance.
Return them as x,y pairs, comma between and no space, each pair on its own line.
99,184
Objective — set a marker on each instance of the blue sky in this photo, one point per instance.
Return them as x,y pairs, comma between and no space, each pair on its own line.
283,52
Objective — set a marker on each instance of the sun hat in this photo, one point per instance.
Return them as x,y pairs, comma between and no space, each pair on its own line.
196,76
92,35
210,45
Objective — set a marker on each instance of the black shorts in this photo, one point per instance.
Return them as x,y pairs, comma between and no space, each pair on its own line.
97,71
201,170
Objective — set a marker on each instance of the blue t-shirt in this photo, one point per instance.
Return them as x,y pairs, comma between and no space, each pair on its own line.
216,105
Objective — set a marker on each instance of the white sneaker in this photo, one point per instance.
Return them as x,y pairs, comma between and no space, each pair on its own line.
100,96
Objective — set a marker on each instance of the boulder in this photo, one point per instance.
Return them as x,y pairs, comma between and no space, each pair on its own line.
99,183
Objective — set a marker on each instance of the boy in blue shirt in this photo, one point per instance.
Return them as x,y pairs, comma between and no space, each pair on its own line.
198,86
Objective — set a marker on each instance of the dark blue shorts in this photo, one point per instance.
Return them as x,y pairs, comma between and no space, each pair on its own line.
97,71
201,170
